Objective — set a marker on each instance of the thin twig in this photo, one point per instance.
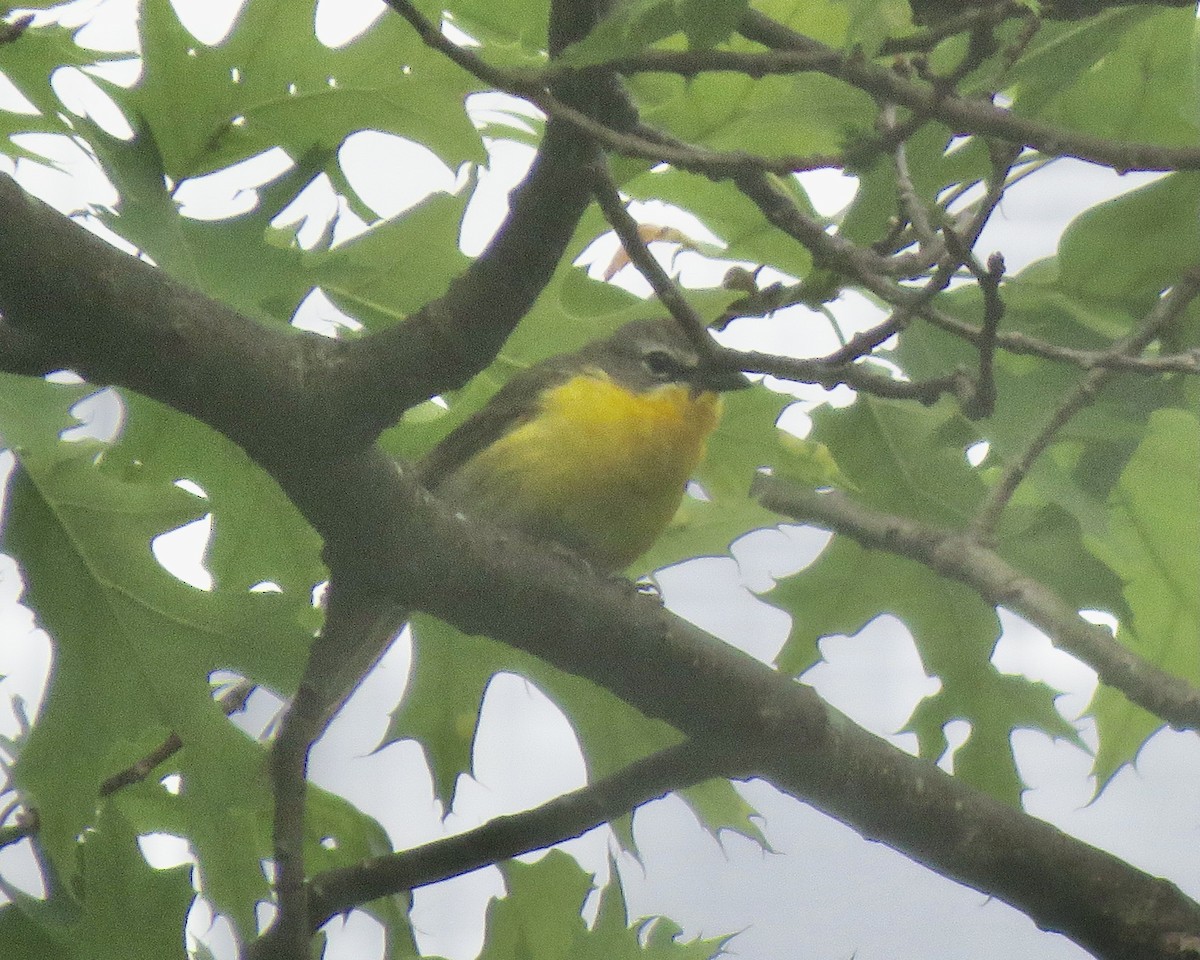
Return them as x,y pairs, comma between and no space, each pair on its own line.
981,44
958,23
1168,308
915,301
26,825
867,340
779,297
668,293
963,115
823,372
982,402
1025,345
906,191
1003,157
533,86
12,31
856,375
231,701
503,838
829,249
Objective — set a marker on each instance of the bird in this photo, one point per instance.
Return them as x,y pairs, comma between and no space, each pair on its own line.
590,450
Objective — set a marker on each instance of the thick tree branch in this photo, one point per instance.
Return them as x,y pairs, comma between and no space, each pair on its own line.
71,300
385,534
471,321
958,556
329,395
355,625
480,309
387,537
481,580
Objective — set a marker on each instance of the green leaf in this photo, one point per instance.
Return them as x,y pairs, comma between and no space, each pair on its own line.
127,909
30,63
362,275
1097,261
1059,53
272,83
258,534
1086,455
727,212
440,710
628,29
1011,703
706,23
519,24
904,458
1131,77
22,937
450,674
1151,545
935,167
130,909
746,440
540,919
717,806
873,21
774,116
134,647
811,465
955,633
824,20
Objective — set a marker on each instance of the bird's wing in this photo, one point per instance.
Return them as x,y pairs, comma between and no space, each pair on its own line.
513,404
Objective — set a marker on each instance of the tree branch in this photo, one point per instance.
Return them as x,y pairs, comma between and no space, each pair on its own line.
793,52
486,581
1169,307
386,536
536,87
231,701
827,372
959,557
570,815
354,635
1020,343
859,376
668,293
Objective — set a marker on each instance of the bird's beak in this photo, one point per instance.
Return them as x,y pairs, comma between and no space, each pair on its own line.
719,379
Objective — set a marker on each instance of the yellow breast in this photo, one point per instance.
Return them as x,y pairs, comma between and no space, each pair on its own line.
600,469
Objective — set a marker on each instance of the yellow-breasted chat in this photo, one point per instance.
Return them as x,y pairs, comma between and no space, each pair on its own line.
591,450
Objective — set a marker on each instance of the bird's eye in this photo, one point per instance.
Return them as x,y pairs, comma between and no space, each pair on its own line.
660,363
